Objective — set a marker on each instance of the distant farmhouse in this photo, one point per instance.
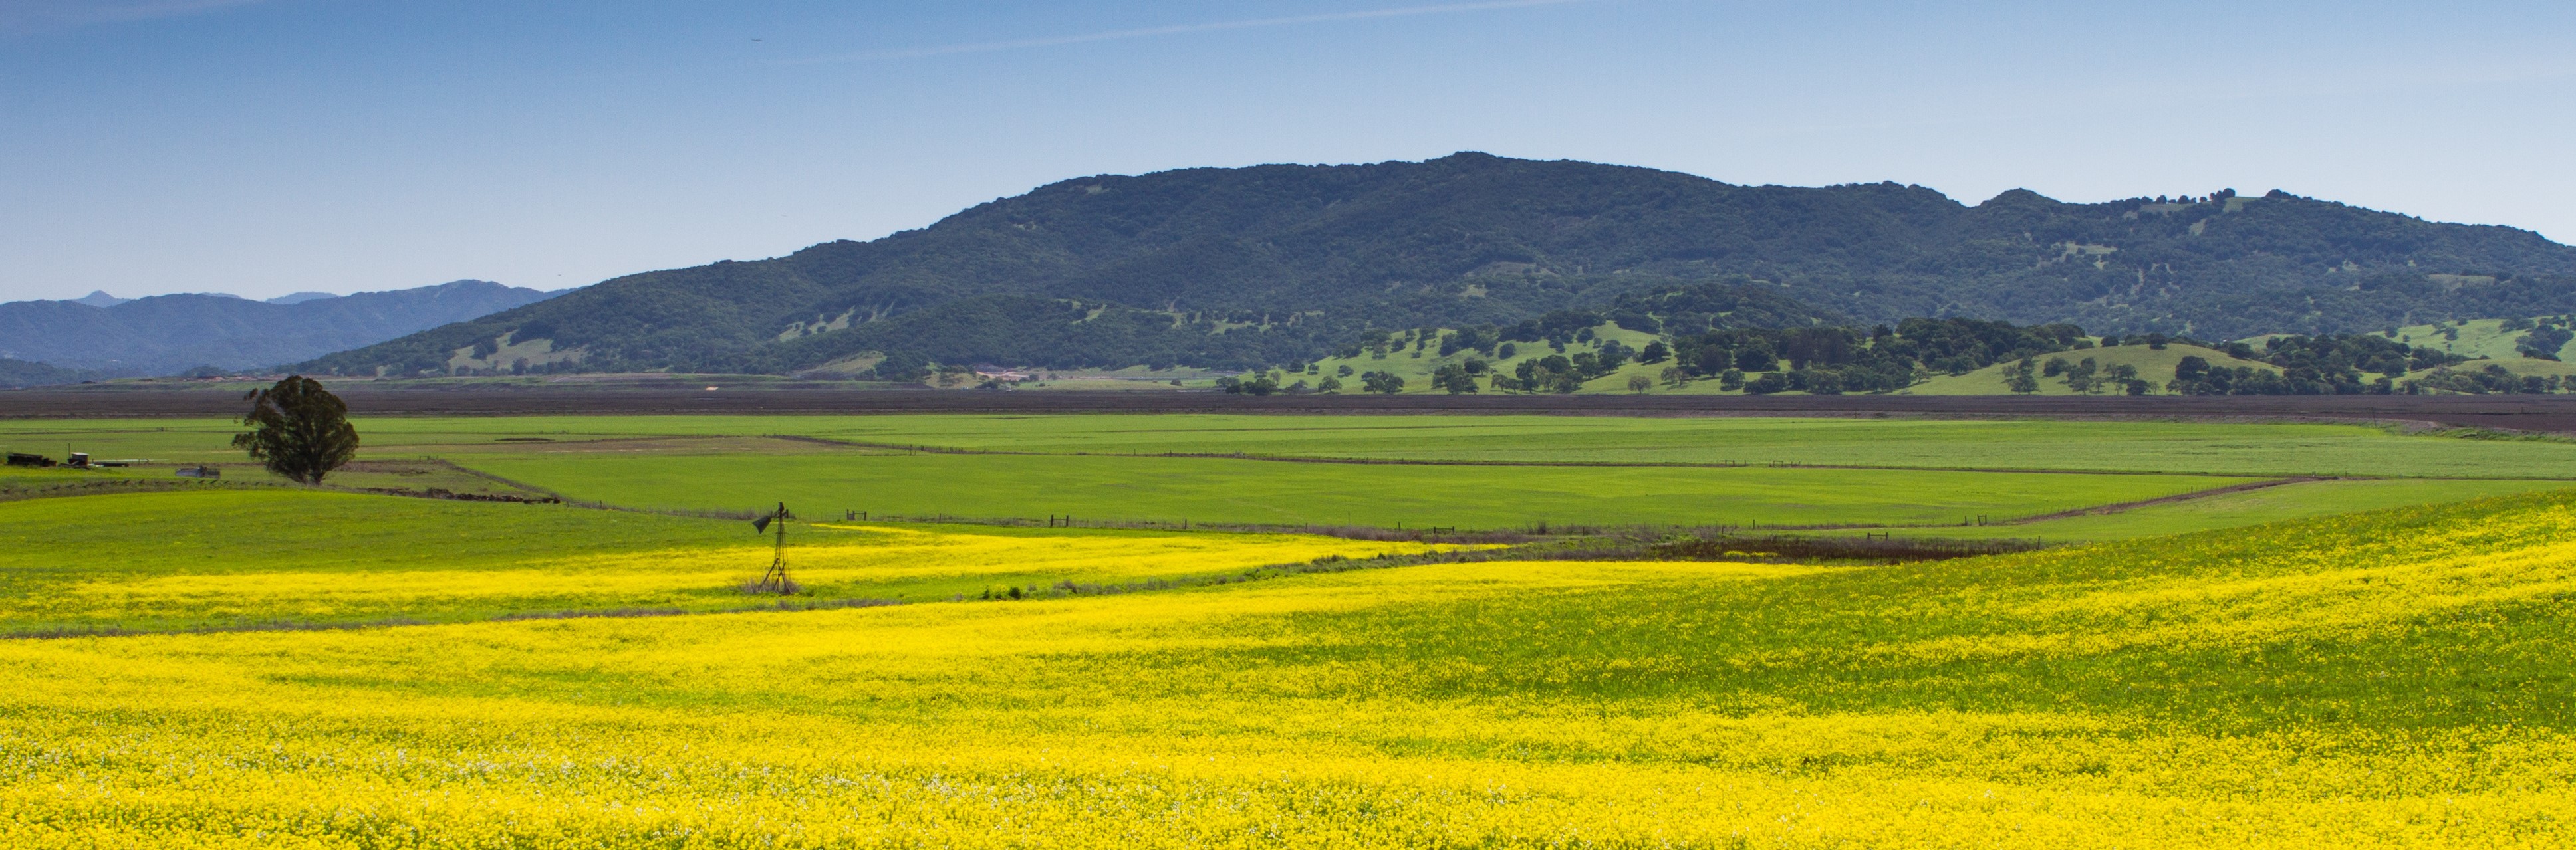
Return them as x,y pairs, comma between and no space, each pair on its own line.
990,372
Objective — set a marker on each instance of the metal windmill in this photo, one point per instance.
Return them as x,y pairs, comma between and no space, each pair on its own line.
775,581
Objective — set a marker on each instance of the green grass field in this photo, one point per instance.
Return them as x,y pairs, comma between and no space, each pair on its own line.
1211,490
2474,338
2214,448
2301,500
2485,341
1110,467
2363,662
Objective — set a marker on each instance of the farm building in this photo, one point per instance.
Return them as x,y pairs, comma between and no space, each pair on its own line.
991,372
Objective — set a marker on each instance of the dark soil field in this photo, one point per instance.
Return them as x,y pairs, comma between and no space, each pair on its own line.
2515,412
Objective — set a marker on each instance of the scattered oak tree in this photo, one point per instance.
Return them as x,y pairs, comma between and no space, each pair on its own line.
1454,379
2020,379
2544,342
299,429
1263,385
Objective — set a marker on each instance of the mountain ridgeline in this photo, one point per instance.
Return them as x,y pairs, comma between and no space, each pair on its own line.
107,336
1282,263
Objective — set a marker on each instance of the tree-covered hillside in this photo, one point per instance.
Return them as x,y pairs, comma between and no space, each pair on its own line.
1239,267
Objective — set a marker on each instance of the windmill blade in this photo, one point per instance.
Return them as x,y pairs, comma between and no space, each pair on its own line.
760,525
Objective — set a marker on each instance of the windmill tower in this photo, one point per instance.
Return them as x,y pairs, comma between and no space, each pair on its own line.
775,580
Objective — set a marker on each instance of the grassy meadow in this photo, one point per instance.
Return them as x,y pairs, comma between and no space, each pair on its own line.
2376,659
2382,679
2469,338
2485,341
1217,490
2163,447
1488,472
2233,509
2216,448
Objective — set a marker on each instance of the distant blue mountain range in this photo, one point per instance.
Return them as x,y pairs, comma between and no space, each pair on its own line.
165,334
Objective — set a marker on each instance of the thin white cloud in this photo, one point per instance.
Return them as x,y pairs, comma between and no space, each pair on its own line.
1180,29
23,15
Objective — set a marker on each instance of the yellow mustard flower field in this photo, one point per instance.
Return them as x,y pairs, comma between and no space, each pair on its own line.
2390,679
233,558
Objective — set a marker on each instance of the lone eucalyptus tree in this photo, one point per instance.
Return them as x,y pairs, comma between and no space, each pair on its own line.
299,429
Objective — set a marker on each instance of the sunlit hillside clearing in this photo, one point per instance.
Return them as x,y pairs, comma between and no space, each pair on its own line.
2155,366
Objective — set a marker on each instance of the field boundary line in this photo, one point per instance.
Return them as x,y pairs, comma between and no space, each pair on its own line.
123,486
559,497
2124,507
1615,464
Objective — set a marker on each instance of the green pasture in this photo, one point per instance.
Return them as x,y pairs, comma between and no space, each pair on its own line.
2387,679
235,473
2485,341
2257,449
2184,447
2301,500
1583,470
2193,447
1219,490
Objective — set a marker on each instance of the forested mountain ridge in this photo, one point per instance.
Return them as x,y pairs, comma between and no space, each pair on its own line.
168,333
1270,264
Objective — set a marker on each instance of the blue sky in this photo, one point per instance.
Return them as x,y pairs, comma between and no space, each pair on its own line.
152,146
